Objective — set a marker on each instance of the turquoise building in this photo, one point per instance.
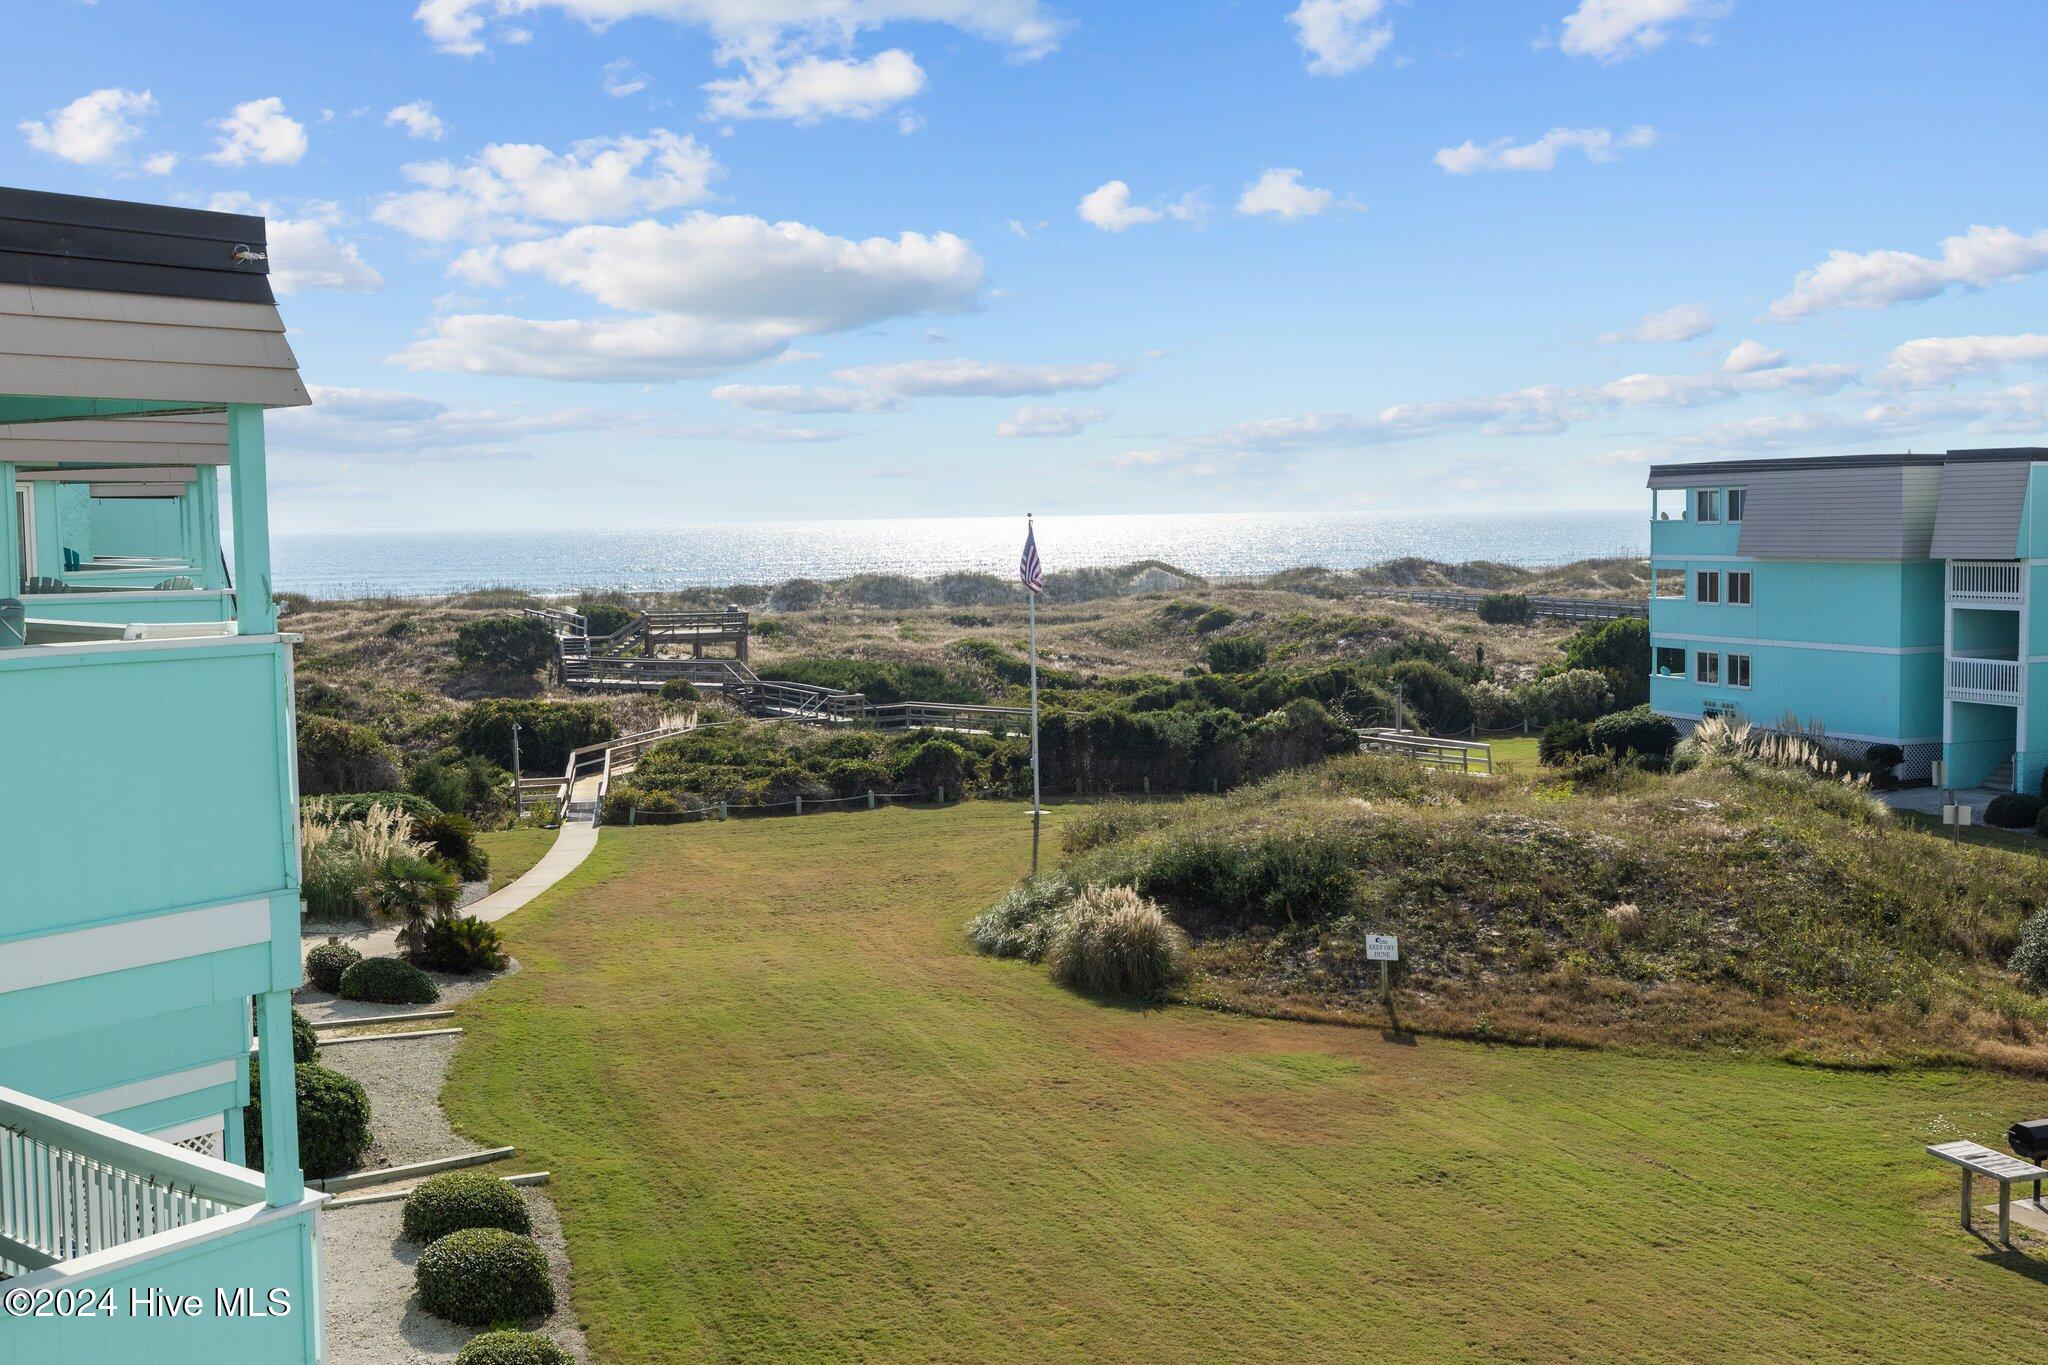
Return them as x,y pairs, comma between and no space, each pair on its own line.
149,863
1880,599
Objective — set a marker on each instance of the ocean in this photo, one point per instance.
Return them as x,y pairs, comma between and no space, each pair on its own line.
1225,545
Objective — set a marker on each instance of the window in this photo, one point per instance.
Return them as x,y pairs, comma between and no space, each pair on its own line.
1668,584
1709,586
1737,498
1670,661
1668,504
1738,588
1707,668
1738,670
1707,504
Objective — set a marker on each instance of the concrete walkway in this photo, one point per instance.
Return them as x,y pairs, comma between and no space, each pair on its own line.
570,848
1928,800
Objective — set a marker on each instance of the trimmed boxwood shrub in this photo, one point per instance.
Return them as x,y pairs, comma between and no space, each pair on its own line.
480,1277
1638,731
305,1042
679,690
334,1121
2013,810
388,981
463,1199
1561,742
512,1348
326,963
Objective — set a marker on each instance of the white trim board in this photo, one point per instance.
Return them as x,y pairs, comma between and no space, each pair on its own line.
70,955
1831,734
1756,643
149,1090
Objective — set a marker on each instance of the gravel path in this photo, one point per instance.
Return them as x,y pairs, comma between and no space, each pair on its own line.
403,1081
321,1008
367,1279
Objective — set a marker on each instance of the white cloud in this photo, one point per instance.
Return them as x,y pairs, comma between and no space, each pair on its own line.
163,163
1747,357
814,88
1279,192
799,398
1930,361
458,26
1876,279
1682,323
305,255
1615,30
1035,420
508,187
259,130
1340,36
93,129
1109,207
716,292
418,119
979,378
1504,154
624,77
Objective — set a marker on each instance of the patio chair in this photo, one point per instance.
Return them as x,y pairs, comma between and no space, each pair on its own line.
177,583
41,584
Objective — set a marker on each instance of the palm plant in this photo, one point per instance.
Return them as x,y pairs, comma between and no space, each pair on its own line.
415,891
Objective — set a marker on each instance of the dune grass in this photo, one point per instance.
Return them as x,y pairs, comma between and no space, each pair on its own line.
792,1116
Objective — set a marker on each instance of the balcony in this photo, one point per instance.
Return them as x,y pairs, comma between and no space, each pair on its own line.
1984,582
1996,681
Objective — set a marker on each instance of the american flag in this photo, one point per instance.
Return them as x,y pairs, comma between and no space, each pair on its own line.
1029,571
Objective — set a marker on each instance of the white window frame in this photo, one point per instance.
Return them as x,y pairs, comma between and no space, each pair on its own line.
1748,588
1700,580
1657,671
1705,500
1704,663
1729,497
1746,671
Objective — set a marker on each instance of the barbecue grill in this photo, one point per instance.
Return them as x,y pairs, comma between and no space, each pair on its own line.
2029,1141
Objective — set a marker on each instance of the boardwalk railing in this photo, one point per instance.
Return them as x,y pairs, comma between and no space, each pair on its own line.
564,622
1561,608
1462,755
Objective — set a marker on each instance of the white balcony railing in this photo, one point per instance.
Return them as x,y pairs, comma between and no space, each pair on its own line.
1992,680
71,1185
1984,582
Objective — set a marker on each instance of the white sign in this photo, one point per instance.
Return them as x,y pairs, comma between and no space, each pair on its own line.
1382,948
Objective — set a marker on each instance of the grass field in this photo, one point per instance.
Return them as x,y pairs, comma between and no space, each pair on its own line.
513,851
791,1117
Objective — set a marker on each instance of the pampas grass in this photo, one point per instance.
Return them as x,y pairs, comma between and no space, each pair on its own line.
1113,942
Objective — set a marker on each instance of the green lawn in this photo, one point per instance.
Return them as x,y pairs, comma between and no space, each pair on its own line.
791,1117
513,851
1515,751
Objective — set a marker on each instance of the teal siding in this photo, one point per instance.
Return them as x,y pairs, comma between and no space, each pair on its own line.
137,526
143,606
88,1061
1869,696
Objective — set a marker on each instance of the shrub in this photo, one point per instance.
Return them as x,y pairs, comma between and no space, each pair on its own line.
335,756
606,618
1575,694
680,690
2030,959
1213,620
1618,649
1506,609
1113,942
1495,707
465,945
891,591
511,1348
1263,876
1434,695
548,730
1883,761
354,808
517,646
963,589
1561,742
388,981
935,765
2014,810
305,1042
1021,923
326,963
797,594
1638,731
340,859
413,890
449,1203
453,840
334,1121
465,784
483,1276
1240,654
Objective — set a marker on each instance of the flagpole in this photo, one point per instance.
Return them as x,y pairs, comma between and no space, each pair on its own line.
1036,812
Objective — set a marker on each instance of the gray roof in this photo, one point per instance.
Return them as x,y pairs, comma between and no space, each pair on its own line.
71,242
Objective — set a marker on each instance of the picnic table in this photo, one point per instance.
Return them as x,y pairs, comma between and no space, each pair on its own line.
1977,1159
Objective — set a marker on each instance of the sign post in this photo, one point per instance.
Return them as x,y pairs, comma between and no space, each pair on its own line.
1383,948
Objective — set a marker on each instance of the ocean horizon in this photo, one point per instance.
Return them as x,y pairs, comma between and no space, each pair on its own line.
1213,545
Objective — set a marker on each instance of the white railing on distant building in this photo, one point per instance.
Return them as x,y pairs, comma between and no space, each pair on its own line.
1982,580
1984,679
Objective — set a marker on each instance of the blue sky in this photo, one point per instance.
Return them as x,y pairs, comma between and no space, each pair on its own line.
575,262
